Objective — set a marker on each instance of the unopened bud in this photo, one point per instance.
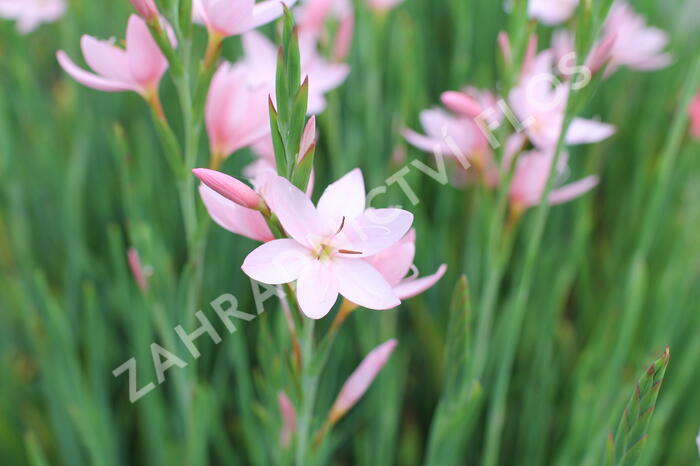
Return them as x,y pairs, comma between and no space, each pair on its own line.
462,104
230,188
145,8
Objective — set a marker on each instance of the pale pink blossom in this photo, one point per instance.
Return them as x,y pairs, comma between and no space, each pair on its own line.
695,117
137,68
396,262
234,217
289,419
233,17
261,58
551,12
530,179
453,136
29,14
236,111
327,246
697,442
563,50
145,8
636,45
539,102
361,379
313,16
383,5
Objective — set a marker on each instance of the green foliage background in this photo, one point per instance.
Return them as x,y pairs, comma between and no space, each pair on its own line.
83,177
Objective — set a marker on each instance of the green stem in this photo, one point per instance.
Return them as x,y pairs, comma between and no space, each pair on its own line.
309,385
515,316
495,263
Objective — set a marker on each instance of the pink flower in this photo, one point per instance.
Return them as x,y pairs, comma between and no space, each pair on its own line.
450,136
232,215
236,111
139,68
395,262
312,18
29,14
530,180
327,246
289,419
636,45
551,12
360,380
383,5
539,102
233,17
145,8
695,117
261,58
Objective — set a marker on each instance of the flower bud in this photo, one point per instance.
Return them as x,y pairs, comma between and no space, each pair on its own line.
289,419
360,380
308,138
229,187
137,269
145,8
461,103
695,117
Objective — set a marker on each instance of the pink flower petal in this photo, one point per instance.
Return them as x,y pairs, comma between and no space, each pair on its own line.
268,10
572,190
146,62
373,231
228,17
89,79
551,12
295,211
424,143
410,288
261,54
106,59
582,131
395,262
317,289
344,198
277,262
236,114
234,218
362,284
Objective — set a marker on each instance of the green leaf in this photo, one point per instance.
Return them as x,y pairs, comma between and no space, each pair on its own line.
282,89
185,17
277,143
458,333
293,60
297,123
626,445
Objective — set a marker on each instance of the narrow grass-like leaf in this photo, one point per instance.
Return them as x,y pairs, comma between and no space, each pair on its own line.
632,430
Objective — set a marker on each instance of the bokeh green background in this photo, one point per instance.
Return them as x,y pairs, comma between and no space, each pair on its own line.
83,178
